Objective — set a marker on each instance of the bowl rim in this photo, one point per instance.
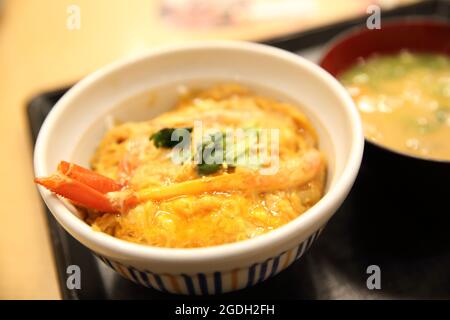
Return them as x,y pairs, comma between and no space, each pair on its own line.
321,211
389,22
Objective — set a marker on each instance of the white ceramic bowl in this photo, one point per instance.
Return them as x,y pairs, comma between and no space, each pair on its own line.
143,86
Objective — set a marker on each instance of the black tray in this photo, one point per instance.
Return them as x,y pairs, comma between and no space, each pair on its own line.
393,218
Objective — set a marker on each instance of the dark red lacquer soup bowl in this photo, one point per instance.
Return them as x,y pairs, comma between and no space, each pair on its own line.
404,190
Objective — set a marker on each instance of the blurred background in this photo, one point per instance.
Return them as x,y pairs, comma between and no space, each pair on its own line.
49,44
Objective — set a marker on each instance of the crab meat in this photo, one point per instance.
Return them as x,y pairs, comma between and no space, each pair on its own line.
82,186
91,190
292,173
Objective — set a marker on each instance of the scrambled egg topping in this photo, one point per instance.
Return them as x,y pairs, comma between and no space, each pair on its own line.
245,208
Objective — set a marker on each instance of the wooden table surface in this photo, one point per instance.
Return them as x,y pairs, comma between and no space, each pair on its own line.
39,52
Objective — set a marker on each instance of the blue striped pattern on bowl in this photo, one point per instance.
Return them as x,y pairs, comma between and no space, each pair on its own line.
216,282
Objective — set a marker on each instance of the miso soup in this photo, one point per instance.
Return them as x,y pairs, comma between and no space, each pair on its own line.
404,101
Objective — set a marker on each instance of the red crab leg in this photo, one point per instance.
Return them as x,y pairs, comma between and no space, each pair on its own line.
77,192
88,177
82,186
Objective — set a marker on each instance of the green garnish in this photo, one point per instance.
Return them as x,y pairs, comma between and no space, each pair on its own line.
212,152
166,138
204,169
216,154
